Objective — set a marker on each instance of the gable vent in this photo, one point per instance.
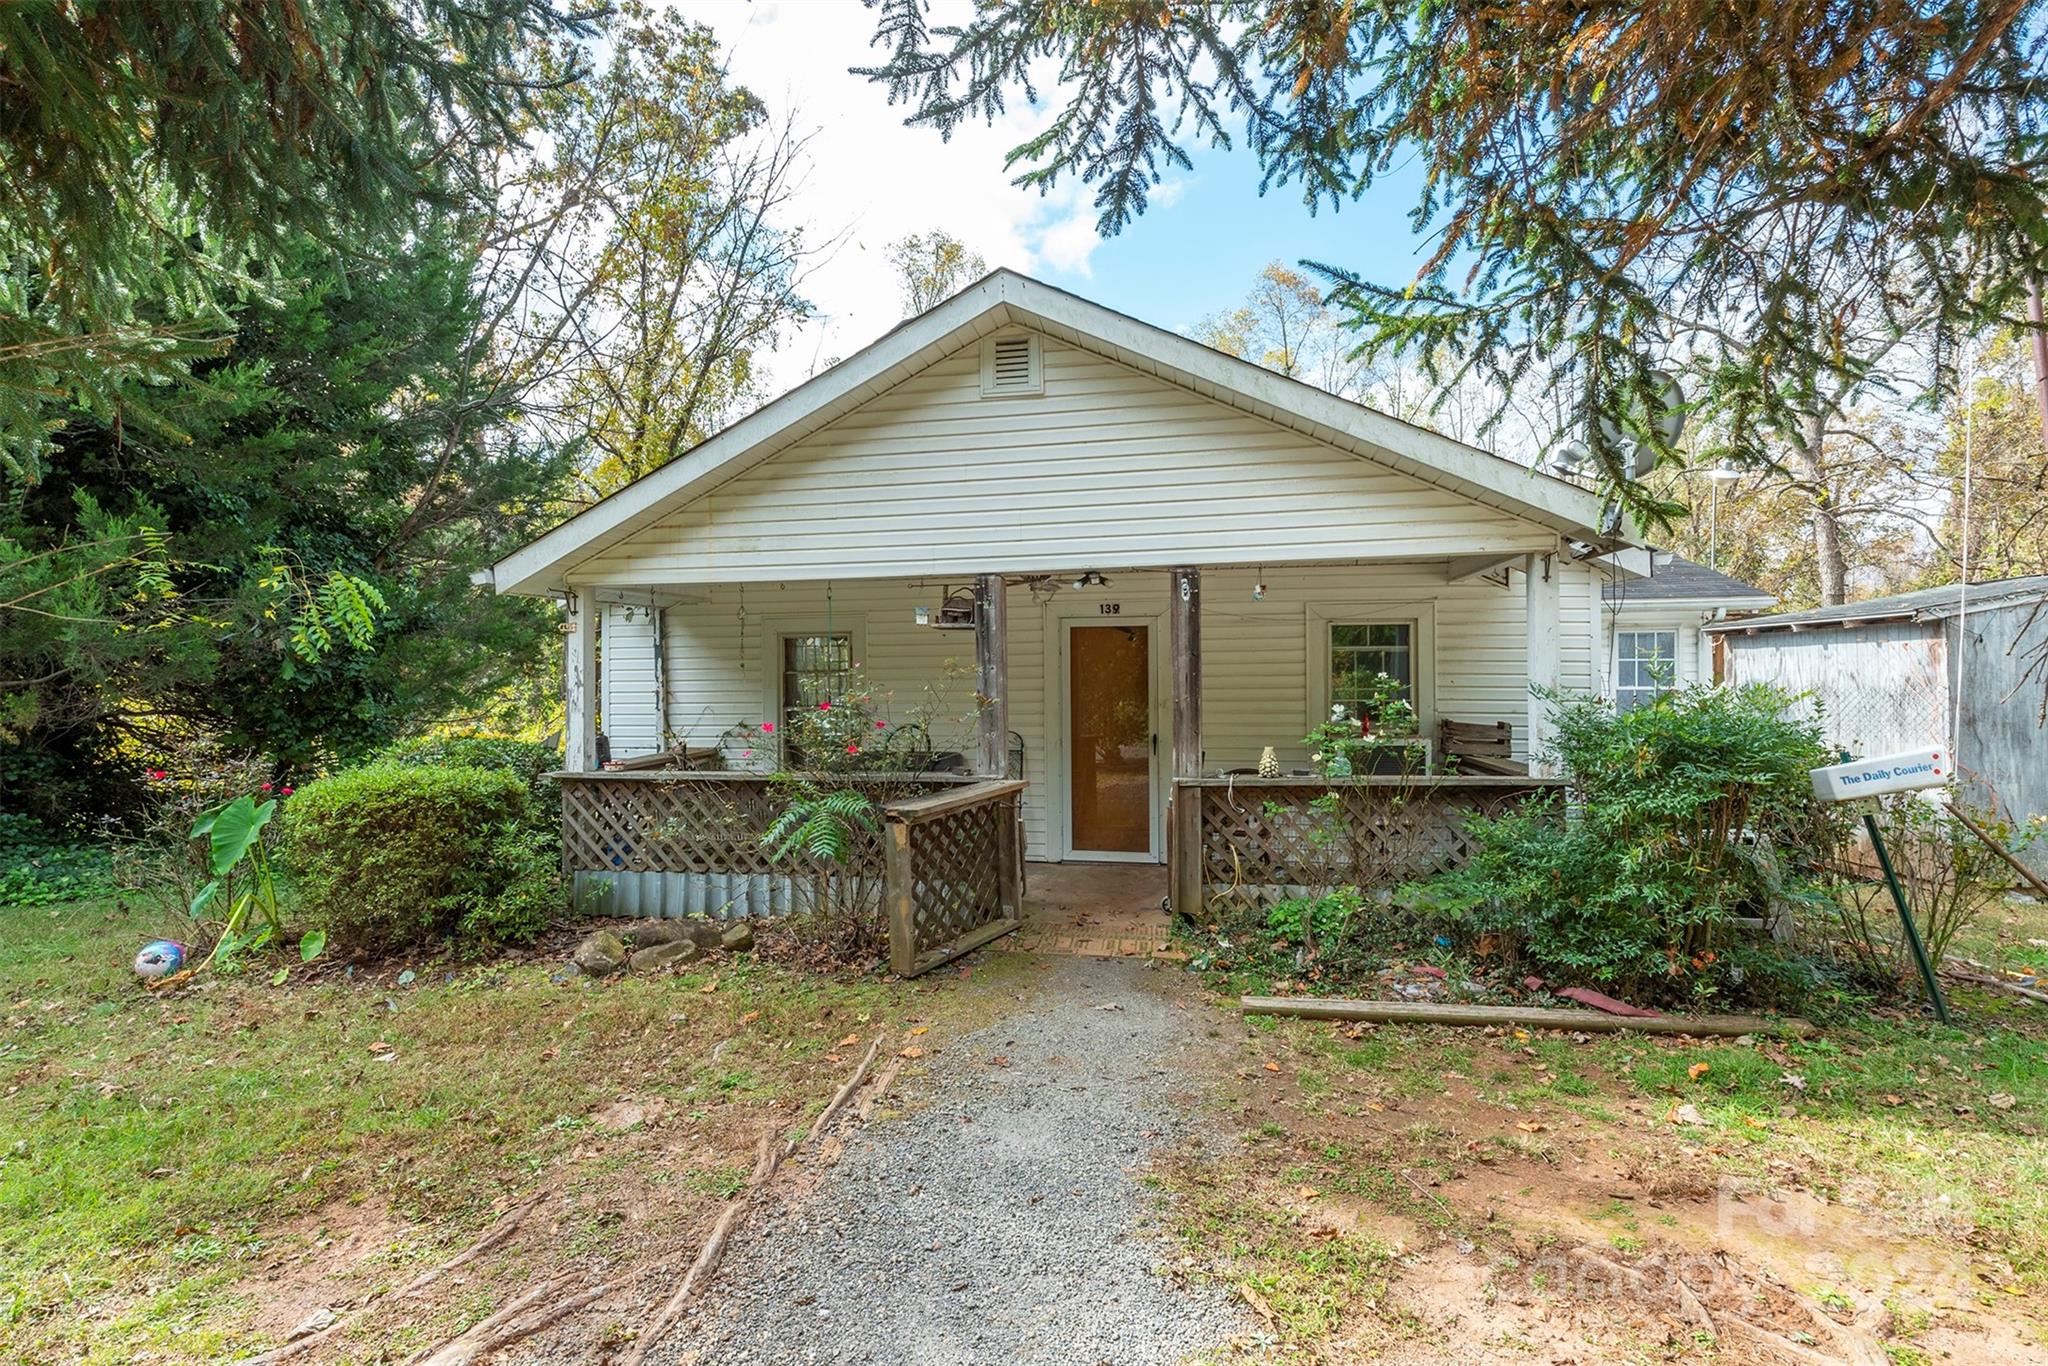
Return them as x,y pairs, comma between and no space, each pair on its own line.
1010,365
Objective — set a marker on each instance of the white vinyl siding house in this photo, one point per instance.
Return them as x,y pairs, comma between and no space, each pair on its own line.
1074,466
1654,627
1265,677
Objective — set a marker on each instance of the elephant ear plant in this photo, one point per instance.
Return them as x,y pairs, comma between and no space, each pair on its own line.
239,860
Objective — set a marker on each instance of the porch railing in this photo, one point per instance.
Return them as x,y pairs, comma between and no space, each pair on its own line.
955,872
1261,840
678,842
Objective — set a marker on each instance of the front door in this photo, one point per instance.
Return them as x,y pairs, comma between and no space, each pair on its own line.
1109,741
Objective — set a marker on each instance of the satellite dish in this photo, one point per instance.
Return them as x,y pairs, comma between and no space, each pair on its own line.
1642,459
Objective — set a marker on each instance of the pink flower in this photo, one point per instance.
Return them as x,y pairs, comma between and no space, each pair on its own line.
286,790
853,749
158,775
746,754
825,706
266,787
767,727
881,725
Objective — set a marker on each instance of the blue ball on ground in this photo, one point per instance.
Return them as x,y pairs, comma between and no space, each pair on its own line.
158,959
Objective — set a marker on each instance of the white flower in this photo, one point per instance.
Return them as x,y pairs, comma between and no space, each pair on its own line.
1315,758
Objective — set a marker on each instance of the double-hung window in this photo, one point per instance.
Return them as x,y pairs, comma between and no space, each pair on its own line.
1359,651
1645,664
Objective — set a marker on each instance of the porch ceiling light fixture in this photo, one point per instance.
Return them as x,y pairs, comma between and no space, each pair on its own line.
1091,579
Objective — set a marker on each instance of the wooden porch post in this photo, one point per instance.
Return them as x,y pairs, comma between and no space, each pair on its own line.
992,673
1543,624
579,682
1184,810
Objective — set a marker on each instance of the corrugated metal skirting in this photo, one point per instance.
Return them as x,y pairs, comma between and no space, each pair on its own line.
722,896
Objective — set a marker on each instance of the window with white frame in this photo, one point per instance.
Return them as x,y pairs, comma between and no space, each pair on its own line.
1360,650
1645,664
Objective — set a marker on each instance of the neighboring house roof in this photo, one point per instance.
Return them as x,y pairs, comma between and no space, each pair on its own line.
1005,299
1926,604
1675,581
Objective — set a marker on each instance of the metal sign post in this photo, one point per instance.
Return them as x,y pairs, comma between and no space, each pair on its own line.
1853,778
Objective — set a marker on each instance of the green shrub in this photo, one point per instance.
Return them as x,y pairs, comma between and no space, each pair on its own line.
1314,920
393,856
1684,814
530,863
530,759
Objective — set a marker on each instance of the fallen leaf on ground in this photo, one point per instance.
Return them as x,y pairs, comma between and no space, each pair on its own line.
1272,1067
1529,1126
999,1061
1309,1192
750,1017
921,1029
708,987
1894,1100
1698,1070
2003,1100
1685,1114
911,1052
848,1042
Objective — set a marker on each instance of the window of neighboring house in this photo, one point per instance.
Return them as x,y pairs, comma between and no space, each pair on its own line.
1359,650
814,670
1645,663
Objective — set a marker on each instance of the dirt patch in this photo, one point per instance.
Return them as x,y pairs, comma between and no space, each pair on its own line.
322,1260
1586,1225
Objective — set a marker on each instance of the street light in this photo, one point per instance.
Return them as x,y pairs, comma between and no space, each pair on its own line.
1717,476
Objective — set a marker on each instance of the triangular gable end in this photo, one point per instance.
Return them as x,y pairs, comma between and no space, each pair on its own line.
1023,453
1103,378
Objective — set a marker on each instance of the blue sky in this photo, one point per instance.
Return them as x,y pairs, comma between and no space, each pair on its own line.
1199,252
872,180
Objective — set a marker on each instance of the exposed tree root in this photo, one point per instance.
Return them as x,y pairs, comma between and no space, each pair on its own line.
769,1159
507,1224
514,1322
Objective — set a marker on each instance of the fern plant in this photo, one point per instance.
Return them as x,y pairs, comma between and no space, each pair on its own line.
819,824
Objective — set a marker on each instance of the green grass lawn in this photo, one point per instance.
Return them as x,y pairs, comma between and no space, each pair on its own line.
161,1156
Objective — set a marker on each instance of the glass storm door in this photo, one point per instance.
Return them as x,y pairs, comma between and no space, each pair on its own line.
1109,739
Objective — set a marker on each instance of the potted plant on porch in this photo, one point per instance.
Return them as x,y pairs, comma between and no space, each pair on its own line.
1373,734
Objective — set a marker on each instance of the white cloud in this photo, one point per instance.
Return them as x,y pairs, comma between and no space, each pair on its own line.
871,180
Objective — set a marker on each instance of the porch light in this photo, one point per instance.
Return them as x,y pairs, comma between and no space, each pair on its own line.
1258,592
1091,579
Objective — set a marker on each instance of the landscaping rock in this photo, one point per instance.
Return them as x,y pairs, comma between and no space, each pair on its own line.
642,933
601,954
738,939
655,957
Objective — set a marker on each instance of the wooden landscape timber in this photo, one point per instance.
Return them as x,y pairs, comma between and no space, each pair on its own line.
1523,1017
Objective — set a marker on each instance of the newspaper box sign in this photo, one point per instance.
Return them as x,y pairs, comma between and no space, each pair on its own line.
1916,768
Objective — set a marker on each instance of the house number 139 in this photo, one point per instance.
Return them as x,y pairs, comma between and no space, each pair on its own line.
1109,609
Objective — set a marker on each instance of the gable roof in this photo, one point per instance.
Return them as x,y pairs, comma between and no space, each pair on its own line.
1005,299
1924,604
1675,581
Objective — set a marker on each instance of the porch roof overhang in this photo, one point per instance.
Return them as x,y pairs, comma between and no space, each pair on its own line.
1006,299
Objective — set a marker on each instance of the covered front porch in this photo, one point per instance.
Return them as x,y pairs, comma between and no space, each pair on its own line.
1092,717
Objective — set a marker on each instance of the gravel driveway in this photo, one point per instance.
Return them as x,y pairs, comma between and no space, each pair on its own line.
1002,1219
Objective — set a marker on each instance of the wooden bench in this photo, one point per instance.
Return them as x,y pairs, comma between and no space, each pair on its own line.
1480,748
